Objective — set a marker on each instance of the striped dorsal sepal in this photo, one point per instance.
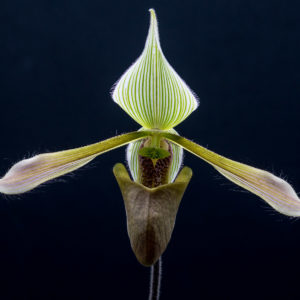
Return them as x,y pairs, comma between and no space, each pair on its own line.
150,91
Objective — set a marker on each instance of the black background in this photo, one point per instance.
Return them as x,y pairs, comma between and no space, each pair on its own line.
68,239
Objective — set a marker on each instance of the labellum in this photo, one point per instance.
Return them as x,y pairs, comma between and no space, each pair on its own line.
152,200
151,213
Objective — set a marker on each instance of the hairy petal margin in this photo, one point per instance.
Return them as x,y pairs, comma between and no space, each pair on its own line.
29,173
274,190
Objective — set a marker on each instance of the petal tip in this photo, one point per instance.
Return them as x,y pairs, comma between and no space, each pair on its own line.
152,13
153,35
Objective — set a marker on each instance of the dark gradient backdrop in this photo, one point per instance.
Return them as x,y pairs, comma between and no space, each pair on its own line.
68,239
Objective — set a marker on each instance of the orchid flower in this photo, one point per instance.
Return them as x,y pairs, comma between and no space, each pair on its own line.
154,95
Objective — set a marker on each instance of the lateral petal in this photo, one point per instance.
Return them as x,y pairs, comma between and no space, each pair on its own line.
29,173
274,190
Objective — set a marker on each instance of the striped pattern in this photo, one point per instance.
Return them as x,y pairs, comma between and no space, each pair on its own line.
274,190
150,91
29,173
177,159
133,163
132,159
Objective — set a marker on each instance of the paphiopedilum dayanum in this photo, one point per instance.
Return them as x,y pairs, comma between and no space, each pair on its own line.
153,94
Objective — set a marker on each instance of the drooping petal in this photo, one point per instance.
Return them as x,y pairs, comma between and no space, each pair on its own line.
29,173
133,161
150,91
274,190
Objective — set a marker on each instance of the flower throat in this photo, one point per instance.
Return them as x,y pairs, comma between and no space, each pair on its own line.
154,163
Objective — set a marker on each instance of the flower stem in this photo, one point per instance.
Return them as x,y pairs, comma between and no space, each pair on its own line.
155,280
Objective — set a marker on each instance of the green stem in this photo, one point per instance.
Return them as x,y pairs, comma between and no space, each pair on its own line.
155,141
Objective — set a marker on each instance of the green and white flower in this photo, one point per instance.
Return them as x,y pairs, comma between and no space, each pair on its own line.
155,96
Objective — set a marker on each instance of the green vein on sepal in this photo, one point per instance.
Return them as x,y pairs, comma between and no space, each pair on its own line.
151,91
